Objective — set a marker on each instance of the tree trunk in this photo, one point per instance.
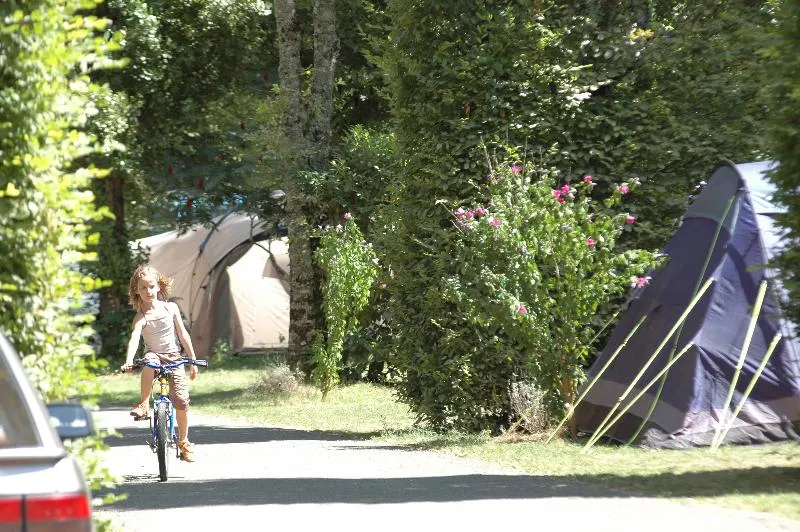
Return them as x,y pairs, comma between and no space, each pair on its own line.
302,316
326,51
289,70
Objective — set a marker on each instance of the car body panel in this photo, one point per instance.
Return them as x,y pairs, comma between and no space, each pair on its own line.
35,470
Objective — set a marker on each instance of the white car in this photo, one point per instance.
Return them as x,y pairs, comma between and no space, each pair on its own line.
41,487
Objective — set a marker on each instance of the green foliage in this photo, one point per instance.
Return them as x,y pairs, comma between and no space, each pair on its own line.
668,99
661,89
48,49
360,181
166,129
349,266
45,200
784,58
535,262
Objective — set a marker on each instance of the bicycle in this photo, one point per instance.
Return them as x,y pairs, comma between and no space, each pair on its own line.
162,419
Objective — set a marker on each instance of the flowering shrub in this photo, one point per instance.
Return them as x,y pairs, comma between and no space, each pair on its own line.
538,260
350,268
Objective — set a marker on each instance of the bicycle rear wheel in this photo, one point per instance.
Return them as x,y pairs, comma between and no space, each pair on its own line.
162,440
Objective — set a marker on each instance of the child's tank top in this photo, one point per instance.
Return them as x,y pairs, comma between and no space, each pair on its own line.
159,335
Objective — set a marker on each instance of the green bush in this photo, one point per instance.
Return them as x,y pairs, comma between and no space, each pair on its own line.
48,49
658,89
536,260
349,266
784,56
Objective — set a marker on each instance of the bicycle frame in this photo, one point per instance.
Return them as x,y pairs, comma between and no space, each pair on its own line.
163,437
162,396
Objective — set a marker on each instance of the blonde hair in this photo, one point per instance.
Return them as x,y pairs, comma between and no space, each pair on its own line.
147,272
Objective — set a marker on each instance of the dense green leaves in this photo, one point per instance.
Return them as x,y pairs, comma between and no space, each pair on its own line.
47,53
349,266
784,57
48,49
660,91
536,261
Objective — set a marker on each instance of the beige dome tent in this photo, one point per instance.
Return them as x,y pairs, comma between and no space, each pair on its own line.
230,282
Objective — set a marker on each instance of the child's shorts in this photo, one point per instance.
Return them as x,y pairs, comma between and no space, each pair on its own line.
178,389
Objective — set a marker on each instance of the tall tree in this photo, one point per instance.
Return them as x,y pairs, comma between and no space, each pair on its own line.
306,152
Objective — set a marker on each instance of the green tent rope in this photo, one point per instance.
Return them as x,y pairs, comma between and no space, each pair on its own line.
700,278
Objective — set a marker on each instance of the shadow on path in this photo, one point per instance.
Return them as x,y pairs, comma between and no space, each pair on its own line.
256,491
208,435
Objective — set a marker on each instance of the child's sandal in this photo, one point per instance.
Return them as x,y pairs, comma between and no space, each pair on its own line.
185,449
140,411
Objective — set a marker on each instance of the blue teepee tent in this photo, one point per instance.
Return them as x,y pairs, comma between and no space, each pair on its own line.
685,409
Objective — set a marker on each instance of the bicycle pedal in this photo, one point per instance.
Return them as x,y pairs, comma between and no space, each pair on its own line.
141,418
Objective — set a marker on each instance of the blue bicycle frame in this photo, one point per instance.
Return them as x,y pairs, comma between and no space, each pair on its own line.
161,436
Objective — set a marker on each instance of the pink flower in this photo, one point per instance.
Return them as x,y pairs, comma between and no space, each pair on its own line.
556,193
516,169
480,211
522,309
564,190
587,179
624,189
590,242
495,222
639,282
561,199
347,216
630,219
460,212
470,215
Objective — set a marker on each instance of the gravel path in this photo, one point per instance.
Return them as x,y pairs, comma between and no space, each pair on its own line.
258,478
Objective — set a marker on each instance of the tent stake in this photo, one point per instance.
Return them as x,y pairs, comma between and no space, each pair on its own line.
639,375
748,337
646,387
596,377
747,391
709,254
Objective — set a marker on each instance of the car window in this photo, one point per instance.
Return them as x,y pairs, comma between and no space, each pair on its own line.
16,425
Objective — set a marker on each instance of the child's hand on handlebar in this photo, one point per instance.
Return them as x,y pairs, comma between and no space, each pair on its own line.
125,368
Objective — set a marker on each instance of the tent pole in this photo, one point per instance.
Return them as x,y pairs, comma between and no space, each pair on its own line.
596,377
639,375
709,254
748,337
596,336
632,402
749,389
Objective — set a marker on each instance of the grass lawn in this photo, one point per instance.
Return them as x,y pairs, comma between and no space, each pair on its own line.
762,478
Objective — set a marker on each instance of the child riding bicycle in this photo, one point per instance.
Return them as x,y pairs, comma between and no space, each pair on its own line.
159,323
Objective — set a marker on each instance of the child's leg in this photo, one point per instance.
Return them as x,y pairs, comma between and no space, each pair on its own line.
179,393
182,417
146,384
148,374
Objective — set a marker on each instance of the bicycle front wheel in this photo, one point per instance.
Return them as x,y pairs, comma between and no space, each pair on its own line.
162,440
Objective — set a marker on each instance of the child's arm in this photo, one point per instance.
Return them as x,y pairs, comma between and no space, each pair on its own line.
133,343
183,336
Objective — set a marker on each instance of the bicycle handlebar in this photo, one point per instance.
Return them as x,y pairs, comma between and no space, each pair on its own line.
139,363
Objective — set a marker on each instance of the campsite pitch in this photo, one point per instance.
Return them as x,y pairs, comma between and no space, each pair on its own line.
250,477
253,390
